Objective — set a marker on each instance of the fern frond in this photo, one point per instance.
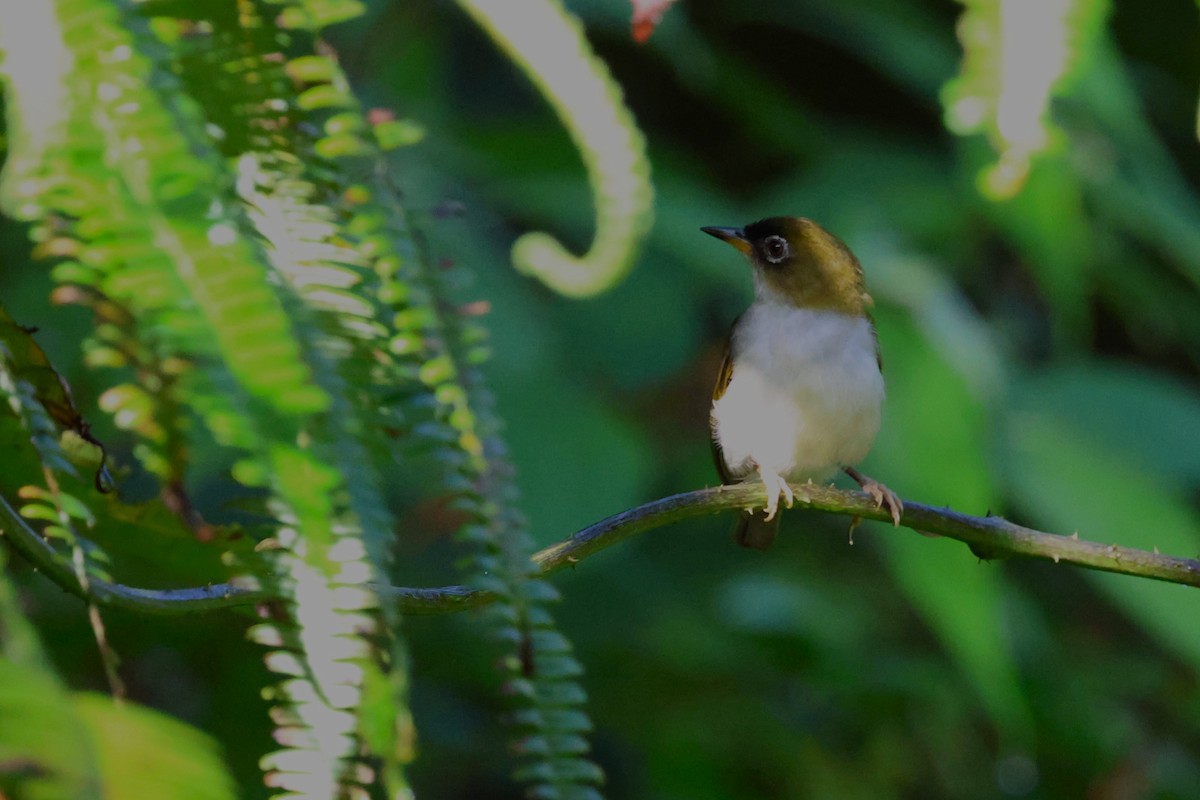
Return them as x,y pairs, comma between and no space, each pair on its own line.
266,281
548,44
148,208
1008,79
447,350
430,341
287,201
42,407
540,672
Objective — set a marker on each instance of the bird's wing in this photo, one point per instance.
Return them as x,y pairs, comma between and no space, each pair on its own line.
875,336
723,378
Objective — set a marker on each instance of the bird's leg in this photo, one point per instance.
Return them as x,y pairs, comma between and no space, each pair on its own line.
884,497
776,486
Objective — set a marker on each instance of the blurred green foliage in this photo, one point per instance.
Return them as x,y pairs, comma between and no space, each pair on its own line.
1041,359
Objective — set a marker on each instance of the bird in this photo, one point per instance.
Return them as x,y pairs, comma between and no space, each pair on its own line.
800,392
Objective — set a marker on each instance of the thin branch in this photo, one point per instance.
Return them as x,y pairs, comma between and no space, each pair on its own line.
988,537
38,552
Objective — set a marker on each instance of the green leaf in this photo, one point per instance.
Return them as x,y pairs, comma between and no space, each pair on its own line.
324,13
311,69
324,96
934,432
44,513
143,753
1070,480
343,145
24,356
45,754
1141,415
395,133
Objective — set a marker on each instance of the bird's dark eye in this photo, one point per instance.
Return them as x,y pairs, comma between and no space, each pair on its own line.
775,248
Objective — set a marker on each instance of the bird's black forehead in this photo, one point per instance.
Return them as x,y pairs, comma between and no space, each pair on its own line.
771,226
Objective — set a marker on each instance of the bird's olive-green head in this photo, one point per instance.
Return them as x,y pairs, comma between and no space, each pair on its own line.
800,262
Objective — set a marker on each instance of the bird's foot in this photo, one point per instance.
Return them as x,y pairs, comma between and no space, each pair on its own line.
883,496
776,487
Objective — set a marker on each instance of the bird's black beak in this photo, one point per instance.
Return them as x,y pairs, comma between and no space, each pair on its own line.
735,236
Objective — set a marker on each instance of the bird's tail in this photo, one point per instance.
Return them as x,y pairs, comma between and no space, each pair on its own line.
755,532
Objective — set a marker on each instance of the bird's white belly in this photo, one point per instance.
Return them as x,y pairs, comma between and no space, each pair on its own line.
805,396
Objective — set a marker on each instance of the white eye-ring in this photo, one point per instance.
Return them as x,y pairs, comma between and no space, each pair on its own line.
775,248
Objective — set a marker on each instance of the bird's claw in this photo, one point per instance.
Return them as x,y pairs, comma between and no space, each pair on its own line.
776,486
885,497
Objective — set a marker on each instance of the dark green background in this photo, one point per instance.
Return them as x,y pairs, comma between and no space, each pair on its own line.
1041,359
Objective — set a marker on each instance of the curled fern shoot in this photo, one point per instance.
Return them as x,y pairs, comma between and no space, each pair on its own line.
548,44
1008,79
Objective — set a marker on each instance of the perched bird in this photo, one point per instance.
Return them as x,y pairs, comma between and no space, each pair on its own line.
800,393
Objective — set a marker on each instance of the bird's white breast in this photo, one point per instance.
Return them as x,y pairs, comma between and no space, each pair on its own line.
806,393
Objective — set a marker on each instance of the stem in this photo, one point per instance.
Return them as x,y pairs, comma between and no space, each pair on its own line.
988,537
